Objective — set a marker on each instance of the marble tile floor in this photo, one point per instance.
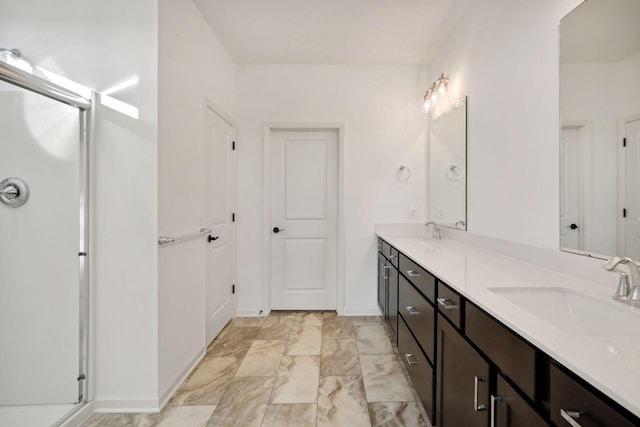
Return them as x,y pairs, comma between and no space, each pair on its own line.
291,369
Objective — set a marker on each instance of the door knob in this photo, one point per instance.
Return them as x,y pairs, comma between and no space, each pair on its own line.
211,238
277,230
572,226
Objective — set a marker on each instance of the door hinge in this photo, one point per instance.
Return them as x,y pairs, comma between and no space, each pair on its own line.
233,145
82,377
233,289
82,254
624,213
624,142
233,217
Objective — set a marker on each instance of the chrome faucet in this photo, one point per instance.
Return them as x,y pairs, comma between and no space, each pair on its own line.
436,231
623,292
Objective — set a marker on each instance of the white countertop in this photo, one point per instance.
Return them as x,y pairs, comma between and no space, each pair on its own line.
609,363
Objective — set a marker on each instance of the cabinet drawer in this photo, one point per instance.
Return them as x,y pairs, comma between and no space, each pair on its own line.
569,396
513,356
450,304
509,409
419,315
420,278
386,249
392,302
418,367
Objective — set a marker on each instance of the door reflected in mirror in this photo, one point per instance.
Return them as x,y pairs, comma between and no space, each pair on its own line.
448,167
600,134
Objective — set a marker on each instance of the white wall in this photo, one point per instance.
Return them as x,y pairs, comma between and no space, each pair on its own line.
101,44
193,68
503,54
384,127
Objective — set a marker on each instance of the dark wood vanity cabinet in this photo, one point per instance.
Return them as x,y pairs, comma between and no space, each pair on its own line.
469,369
462,385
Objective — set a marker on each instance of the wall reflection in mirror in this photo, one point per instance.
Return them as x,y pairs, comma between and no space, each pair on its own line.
448,167
600,120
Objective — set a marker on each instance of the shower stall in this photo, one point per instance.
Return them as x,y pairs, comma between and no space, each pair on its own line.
44,301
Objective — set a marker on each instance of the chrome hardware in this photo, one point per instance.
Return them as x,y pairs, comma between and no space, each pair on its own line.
493,409
634,294
412,273
412,311
386,270
446,304
477,407
393,257
411,359
436,231
14,192
570,417
277,230
164,240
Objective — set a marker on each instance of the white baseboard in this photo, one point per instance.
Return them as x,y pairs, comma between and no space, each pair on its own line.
127,404
80,417
164,398
375,311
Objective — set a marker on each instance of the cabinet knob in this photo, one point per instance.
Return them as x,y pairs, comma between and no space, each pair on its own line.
413,273
411,359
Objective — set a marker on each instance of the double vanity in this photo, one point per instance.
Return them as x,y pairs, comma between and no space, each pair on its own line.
491,340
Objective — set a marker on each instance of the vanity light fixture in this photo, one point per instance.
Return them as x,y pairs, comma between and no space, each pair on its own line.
437,90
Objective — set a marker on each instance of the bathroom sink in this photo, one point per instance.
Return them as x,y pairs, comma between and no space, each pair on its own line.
573,312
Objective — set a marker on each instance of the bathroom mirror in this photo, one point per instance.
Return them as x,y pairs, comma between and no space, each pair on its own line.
600,129
448,167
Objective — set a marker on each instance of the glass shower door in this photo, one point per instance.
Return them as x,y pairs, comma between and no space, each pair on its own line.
40,242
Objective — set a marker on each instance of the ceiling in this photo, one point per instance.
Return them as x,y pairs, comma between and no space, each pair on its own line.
342,32
601,31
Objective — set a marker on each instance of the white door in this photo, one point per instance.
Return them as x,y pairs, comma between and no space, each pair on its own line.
39,264
304,219
632,186
570,190
219,200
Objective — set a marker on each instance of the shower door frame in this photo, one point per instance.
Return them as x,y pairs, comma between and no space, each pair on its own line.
33,83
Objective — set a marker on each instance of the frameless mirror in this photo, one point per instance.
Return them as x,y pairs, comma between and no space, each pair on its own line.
600,120
448,167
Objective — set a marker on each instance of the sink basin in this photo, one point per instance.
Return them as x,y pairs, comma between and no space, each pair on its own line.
573,312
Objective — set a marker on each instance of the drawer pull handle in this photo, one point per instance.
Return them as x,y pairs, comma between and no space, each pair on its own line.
477,407
412,311
493,409
393,257
411,359
413,273
446,304
570,417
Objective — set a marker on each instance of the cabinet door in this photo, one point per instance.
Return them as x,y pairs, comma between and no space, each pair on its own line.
383,269
392,302
462,392
509,409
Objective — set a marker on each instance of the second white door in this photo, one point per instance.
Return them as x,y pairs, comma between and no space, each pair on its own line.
304,219
219,199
